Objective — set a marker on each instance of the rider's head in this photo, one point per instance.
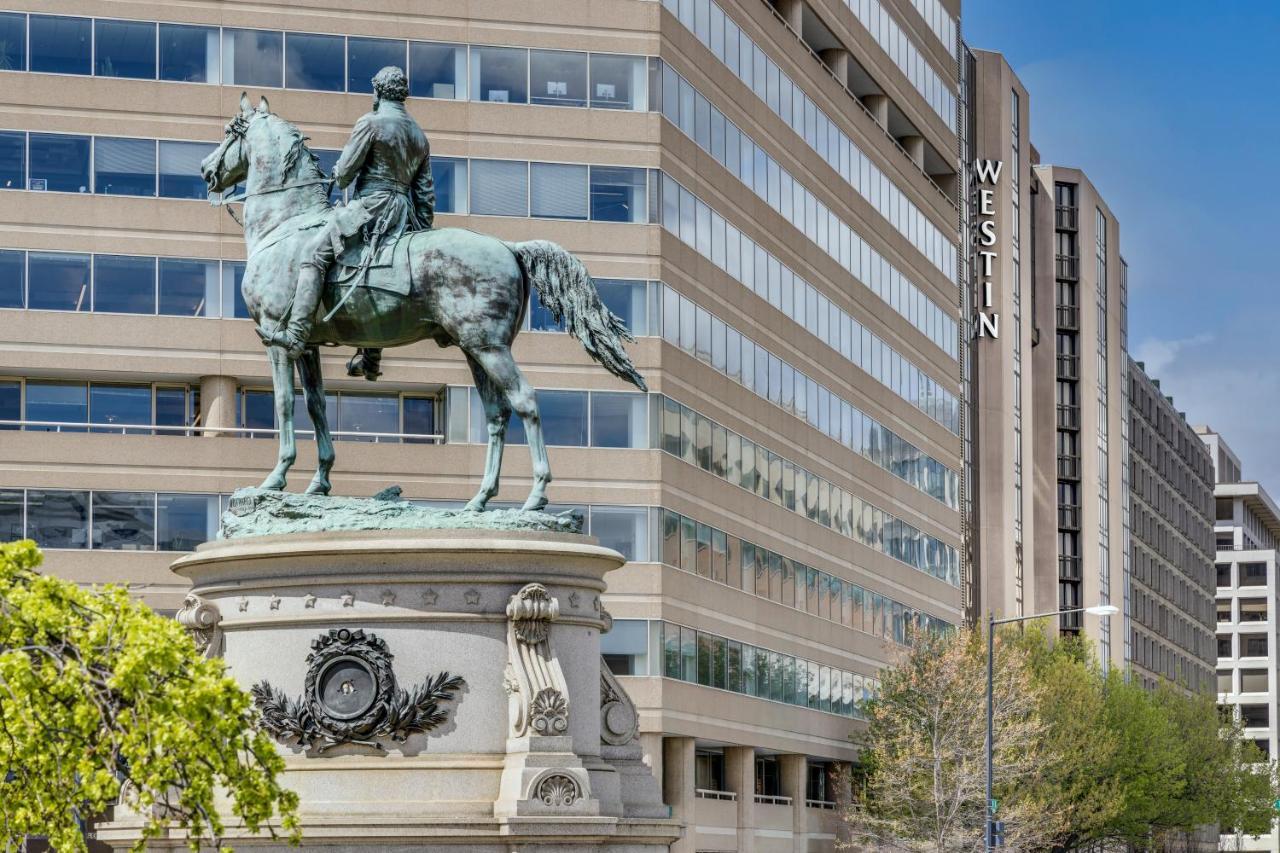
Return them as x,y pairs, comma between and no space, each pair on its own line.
390,84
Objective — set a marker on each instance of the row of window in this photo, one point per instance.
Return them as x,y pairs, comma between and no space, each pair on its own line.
750,64
1248,610
569,418
1251,646
709,339
115,521
700,441
1251,681
695,223
331,63
711,553
1247,574
686,107
45,404
354,416
939,20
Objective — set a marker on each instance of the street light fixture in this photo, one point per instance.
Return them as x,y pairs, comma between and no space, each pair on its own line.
992,622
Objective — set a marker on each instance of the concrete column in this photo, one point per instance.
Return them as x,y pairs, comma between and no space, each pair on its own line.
651,749
837,59
678,788
915,148
792,11
740,776
218,403
879,106
795,783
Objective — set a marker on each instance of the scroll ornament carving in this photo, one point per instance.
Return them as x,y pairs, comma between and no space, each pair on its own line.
619,720
202,619
538,695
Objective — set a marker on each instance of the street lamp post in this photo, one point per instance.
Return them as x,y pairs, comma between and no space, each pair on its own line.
992,622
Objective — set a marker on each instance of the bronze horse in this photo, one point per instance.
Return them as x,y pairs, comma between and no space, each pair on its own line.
464,289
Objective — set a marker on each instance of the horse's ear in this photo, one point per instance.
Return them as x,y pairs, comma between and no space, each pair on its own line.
263,106
245,106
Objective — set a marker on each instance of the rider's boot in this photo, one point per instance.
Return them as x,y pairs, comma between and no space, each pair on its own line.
366,362
302,315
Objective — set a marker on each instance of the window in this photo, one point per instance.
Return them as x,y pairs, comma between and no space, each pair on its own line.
13,45
367,413
13,160
564,417
59,163
232,297
437,70
499,187
618,420
11,515
499,74
13,274
119,404
252,57
1224,574
1224,681
1253,645
124,166
10,410
619,82
1224,646
180,169
58,519
627,299
124,49
189,288
61,45
175,407
558,78
625,648
624,529
1253,716
124,521
1224,611
57,402
185,521
189,54
618,194
58,281
1253,681
419,416
124,284
450,177
367,56
314,62
1264,747
708,770
1253,610
768,776
1253,574
558,190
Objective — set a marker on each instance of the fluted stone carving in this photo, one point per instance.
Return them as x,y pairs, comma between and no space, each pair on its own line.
539,699
203,620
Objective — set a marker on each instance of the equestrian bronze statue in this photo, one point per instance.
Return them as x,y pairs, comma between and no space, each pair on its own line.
406,282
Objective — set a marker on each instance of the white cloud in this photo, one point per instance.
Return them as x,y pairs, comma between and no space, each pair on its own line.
1157,355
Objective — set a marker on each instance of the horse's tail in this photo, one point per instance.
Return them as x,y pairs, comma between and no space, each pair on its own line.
566,289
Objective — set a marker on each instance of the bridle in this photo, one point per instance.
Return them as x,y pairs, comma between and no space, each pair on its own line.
236,129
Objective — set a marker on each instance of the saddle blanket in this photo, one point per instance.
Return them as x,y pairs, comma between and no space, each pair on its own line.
389,269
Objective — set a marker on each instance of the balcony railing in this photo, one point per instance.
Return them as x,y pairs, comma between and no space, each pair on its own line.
1068,567
772,800
1068,317
1068,417
1068,467
710,794
1069,516
1068,367
1067,266
237,432
1066,217
820,804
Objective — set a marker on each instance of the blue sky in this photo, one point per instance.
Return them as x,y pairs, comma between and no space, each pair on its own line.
1173,110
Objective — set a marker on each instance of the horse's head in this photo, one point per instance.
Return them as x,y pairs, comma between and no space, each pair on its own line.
256,141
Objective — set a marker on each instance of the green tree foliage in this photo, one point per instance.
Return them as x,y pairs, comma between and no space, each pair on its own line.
1084,759
101,698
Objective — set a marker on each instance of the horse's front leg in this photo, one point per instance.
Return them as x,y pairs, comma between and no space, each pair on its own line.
313,390
282,388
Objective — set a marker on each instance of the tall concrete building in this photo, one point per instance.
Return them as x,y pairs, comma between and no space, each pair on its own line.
1170,599
1247,532
768,196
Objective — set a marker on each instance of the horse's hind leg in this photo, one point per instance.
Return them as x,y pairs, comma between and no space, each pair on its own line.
282,388
510,382
496,413
313,389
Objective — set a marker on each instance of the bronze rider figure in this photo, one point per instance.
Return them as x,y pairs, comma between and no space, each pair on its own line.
389,160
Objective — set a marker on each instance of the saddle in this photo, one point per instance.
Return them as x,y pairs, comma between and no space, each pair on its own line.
388,269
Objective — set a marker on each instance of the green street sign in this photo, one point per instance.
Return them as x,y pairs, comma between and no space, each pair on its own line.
1276,805
995,804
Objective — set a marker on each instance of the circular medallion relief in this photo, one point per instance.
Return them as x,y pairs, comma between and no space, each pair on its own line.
346,687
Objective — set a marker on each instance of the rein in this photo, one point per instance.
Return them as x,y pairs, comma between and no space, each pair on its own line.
236,198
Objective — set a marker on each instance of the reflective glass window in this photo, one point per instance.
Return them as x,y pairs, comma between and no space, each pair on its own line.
189,288
618,82
58,281
259,410
622,528
59,163
314,62
173,407
499,74
368,413
629,301
500,187
180,168
124,285
13,276
13,160
437,70
13,44
124,521
541,319
564,417
124,166
252,57
10,408
618,194
558,78
232,298
11,515
61,45
189,54
618,420
119,404
124,49
366,57
185,521
558,190
419,416
58,519
450,177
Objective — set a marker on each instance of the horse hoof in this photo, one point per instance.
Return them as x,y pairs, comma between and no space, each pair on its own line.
273,484
475,505
318,489
532,505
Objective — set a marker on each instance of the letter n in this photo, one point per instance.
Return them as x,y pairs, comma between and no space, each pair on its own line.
988,324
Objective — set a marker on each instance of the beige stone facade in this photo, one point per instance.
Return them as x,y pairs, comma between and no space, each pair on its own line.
843,292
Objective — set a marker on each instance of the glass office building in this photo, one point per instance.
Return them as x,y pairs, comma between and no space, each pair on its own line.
766,193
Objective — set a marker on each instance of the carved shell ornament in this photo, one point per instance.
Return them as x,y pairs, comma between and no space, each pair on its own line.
351,696
558,790
549,713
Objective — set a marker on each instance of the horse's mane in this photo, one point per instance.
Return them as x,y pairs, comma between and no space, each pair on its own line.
297,149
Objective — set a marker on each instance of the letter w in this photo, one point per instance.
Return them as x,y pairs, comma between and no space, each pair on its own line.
988,170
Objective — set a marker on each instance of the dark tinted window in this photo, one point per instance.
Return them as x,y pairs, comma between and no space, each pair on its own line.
61,45
188,54
10,409
58,281
450,177
252,57
58,519
180,168
119,405
558,78
13,41
618,194
12,278
366,57
124,166
125,49
124,285
437,70
11,508
59,163
185,521
500,74
314,62
13,160
124,521
189,288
